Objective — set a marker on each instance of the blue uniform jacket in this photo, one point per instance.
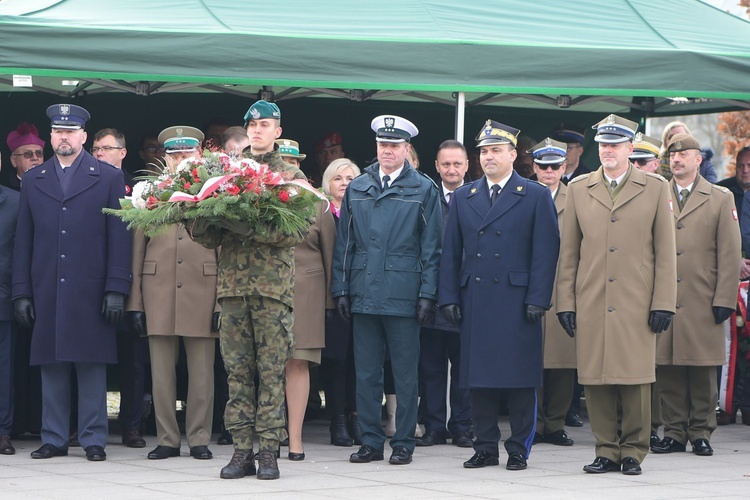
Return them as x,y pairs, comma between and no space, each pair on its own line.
67,254
496,260
388,243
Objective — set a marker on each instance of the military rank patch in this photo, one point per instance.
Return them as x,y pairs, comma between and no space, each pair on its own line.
473,190
519,188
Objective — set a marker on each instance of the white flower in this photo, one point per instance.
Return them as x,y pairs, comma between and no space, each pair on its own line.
184,165
139,203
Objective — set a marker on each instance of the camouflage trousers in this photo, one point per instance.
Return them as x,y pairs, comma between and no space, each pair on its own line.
256,338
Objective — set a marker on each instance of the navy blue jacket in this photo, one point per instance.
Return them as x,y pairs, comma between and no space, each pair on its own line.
67,254
388,243
8,218
511,251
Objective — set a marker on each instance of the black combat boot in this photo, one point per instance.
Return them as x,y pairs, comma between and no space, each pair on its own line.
339,434
241,465
267,466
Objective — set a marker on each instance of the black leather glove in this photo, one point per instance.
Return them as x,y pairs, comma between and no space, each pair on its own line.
344,307
137,322
721,314
534,313
215,322
113,306
23,310
425,311
568,322
659,320
452,312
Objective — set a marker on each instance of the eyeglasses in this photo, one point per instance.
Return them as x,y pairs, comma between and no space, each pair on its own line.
644,161
152,149
553,166
30,154
105,149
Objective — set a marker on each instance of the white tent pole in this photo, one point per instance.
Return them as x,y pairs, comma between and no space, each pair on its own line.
460,115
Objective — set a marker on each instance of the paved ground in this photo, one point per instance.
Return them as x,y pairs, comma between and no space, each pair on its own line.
554,473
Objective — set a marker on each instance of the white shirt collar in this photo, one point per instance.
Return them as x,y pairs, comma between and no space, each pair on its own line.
393,175
447,191
618,180
689,187
501,183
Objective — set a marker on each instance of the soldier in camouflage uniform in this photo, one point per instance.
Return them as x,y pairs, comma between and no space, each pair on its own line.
255,289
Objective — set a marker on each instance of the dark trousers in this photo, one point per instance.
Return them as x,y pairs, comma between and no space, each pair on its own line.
92,404
485,408
554,399
371,335
437,347
132,357
339,383
7,393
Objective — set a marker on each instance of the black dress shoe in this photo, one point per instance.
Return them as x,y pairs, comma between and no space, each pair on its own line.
481,459
241,464
201,453
602,465
631,467
655,440
6,447
49,451
133,439
95,453
572,419
366,454
702,448
558,438
225,438
162,452
668,445
431,438
400,456
516,461
296,457
268,468
462,439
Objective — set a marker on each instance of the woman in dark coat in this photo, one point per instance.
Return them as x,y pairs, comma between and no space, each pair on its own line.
337,367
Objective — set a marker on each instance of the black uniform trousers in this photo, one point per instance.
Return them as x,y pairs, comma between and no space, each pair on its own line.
485,408
437,347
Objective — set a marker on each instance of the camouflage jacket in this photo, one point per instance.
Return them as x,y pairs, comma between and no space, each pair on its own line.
256,265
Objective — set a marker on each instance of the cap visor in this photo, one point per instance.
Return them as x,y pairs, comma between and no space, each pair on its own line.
611,138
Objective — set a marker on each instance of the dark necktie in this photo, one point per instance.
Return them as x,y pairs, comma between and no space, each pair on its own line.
495,191
683,198
613,185
448,197
386,180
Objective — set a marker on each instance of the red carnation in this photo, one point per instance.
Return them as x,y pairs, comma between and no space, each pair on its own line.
233,190
283,196
186,185
151,202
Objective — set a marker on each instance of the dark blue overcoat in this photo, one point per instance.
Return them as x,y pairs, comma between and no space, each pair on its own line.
511,251
67,254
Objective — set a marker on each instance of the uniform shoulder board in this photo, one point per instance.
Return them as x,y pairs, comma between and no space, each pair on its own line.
579,178
720,188
655,176
427,177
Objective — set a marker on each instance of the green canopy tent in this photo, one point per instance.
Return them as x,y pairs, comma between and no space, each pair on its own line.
586,54
634,57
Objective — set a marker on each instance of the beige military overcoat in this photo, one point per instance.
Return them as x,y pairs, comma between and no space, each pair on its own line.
174,283
708,256
559,349
617,263
312,281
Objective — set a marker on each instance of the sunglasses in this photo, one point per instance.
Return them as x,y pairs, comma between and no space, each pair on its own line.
553,166
644,161
30,154
153,149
